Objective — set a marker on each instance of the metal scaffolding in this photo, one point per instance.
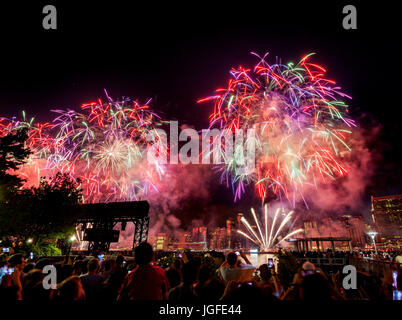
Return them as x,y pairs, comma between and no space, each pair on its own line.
103,217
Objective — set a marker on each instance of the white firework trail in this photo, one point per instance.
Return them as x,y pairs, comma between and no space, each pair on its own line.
270,239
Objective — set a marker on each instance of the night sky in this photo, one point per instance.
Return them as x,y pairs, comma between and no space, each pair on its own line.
178,53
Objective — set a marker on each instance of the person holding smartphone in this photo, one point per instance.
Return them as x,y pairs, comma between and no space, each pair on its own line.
11,285
146,281
293,291
268,278
233,269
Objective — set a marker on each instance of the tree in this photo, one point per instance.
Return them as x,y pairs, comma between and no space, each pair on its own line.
42,213
47,204
13,154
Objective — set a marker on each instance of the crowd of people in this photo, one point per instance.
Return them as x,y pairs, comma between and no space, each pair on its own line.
392,256
186,280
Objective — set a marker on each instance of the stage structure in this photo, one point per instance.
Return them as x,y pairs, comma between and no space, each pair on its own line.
99,219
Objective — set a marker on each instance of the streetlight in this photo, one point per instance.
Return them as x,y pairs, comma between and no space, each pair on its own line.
372,234
30,240
70,241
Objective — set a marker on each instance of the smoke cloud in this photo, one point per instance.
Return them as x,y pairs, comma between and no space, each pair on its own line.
347,193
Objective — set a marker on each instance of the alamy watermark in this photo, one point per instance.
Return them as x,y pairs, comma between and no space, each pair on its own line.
350,20
209,146
49,21
350,280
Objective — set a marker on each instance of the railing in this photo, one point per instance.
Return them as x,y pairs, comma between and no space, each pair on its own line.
326,261
372,266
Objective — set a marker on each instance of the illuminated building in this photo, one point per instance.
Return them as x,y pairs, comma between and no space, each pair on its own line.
162,241
356,229
387,217
202,231
197,246
230,233
239,216
241,242
310,228
185,237
195,234
199,234
219,239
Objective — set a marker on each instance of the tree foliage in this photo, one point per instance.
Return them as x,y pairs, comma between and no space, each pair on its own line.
13,154
40,212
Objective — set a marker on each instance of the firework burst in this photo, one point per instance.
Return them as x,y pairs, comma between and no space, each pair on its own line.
105,145
39,142
301,127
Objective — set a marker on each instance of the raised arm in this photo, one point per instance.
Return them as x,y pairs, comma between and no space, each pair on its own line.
243,255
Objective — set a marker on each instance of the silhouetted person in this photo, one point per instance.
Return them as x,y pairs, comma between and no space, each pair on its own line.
77,267
173,273
208,288
146,281
33,289
184,291
70,290
92,280
117,277
109,267
232,269
315,288
11,284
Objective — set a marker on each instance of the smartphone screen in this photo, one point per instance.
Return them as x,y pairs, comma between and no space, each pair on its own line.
394,279
307,272
100,257
270,263
397,295
3,272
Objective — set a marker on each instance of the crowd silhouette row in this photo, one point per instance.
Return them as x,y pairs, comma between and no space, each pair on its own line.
186,280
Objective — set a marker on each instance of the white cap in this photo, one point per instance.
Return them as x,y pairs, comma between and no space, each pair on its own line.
308,266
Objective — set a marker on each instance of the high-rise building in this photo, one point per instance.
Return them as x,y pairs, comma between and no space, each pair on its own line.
387,216
199,234
162,241
202,234
218,239
230,233
239,216
195,234
241,242
332,227
310,229
356,229
212,240
185,237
